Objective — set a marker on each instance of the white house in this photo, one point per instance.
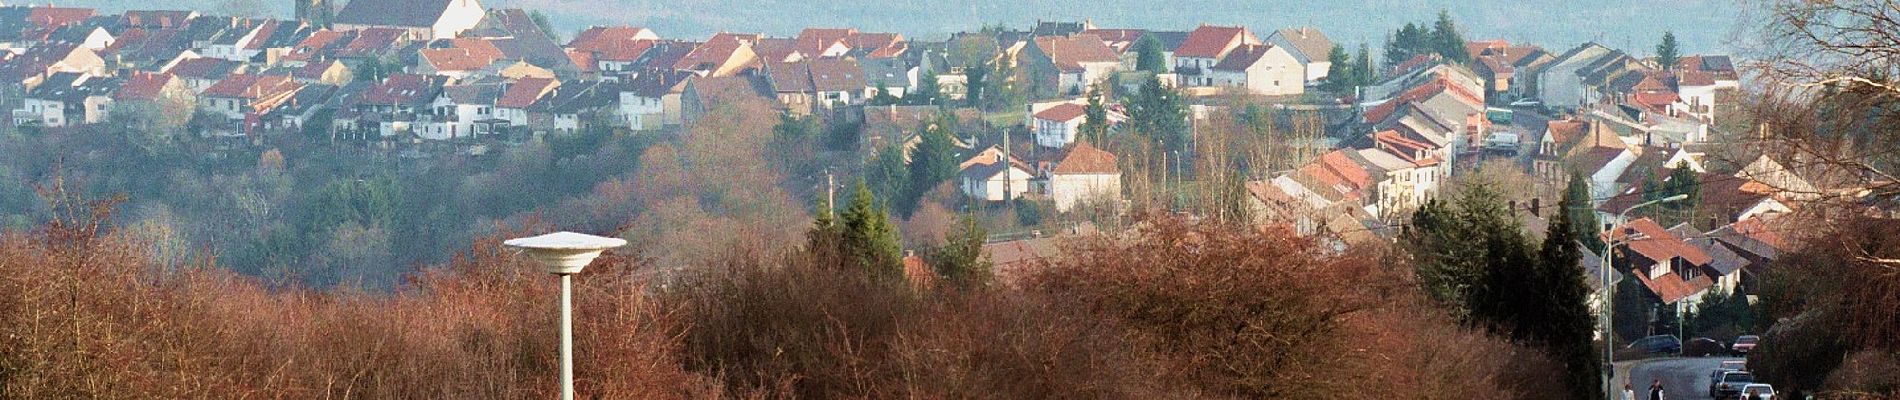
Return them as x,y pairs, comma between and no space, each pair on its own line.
1560,84
1084,173
423,19
988,177
1308,45
1057,125
1401,185
1204,48
1262,69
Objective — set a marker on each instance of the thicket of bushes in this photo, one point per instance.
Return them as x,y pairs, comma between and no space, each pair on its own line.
1171,310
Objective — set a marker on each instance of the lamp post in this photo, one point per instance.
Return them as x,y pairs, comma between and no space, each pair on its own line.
564,254
1609,291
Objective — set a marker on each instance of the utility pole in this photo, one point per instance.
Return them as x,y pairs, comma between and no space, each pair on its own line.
831,193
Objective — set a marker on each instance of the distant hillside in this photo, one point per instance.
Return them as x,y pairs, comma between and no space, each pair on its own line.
1634,25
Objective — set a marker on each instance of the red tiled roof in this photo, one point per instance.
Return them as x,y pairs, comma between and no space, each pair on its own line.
162,19
49,17
813,41
1062,112
1083,158
1441,84
401,89
1655,100
467,55
1069,52
877,41
1671,288
1695,78
1480,47
371,41
715,51
143,86
1122,40
1564,131
600,37
1209,41
1405,148
1652,241
525,92
313,46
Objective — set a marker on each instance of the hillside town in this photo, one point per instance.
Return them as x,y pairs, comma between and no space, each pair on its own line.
361,140
454,77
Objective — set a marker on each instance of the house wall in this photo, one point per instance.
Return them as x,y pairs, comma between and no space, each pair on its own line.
1276,74
95,108
461,15
1603,181
1056,134
991,189
1070,189
642,113
48,113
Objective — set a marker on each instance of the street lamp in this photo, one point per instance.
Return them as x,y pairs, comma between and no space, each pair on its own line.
1609,290
564,254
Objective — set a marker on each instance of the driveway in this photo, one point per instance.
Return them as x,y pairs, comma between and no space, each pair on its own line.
1682,378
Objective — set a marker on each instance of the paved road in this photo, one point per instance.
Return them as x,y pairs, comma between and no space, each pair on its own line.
1682,378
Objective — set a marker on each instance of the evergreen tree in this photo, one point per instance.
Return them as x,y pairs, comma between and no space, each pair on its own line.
1411,40
961,259
822,241
1150,56
1095,117
869,239
1555,312
1682,181
881,97
1666,52
1576,205
1362,72
887,174
1339,72
1446,40
931,163
1454,244
976,79
1158,113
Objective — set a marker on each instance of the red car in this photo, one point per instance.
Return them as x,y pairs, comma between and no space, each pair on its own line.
1744,343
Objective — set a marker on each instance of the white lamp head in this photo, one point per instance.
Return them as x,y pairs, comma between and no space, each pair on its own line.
564,253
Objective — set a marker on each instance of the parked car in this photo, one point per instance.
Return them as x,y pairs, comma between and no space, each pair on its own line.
1744,343
1703,347
1725,384
1758,391
1658,344
1735,365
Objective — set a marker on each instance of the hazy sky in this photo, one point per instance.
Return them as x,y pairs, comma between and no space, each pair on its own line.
1635,25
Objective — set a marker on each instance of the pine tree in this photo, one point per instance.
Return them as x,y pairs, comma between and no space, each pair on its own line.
961,259
1095,117
822,241
931,163
1576,205
1666,52
1339,71
887,174
1363,74
882,97
1158,113
1557,316
1446,40
869,239
1149,55
976,80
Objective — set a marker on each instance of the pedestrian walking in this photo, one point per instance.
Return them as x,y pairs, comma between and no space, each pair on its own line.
1656,390
1629,392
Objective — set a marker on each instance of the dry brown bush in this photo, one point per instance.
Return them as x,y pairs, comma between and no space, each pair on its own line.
91,317
1221,313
